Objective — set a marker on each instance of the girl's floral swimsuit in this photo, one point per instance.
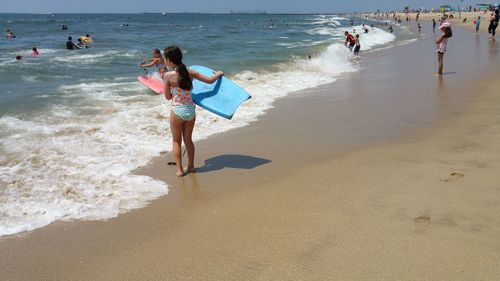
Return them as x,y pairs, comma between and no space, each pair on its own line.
182,104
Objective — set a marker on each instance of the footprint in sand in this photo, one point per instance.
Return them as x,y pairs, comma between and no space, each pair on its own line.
422,223
453,176
424,218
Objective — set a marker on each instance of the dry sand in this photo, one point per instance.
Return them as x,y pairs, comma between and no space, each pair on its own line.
391,175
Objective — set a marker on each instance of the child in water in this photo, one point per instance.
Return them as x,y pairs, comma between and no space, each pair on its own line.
10,34
478,24
87,39
441,43
178,87
357,47
34,52
79,44
156,61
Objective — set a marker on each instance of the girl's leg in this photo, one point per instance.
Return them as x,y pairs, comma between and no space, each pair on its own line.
188,141
440,63
176,128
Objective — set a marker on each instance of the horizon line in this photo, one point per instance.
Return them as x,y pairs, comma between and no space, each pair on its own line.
175,13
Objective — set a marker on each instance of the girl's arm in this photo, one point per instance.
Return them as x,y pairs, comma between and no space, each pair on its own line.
152,63
206,79
440,39
168,94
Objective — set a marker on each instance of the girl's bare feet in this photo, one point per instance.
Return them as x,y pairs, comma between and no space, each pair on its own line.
179,173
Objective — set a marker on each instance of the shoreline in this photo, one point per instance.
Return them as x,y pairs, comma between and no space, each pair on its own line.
273,210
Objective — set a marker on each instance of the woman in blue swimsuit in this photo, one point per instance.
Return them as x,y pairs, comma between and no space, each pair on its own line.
178,86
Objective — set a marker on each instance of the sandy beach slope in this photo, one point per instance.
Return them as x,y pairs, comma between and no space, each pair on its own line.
464,19
387,174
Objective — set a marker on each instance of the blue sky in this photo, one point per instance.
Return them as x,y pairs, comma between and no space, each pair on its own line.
213,6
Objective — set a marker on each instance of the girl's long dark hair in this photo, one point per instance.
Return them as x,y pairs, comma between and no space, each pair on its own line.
447,32
174,54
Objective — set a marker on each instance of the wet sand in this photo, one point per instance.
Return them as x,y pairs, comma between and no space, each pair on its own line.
387,174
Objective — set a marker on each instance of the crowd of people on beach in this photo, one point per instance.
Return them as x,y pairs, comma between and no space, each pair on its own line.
444,24
177,78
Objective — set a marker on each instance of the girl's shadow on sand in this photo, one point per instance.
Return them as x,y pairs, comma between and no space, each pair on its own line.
231,161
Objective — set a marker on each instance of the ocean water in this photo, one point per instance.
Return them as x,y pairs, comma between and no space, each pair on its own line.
74,124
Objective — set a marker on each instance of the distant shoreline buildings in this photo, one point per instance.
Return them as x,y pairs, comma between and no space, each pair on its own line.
248,12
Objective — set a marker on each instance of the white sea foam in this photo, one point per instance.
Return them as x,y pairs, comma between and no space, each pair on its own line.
327,20
304,43
78,166
27,52
89,57
75,162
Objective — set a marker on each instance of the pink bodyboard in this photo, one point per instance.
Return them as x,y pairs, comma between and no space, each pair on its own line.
154,84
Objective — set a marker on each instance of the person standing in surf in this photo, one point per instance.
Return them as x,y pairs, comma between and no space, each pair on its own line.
357,46
178,87
156,61
494,18
478,24
349,40
441,43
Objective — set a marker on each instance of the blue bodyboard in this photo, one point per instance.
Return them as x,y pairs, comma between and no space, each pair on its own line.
222,97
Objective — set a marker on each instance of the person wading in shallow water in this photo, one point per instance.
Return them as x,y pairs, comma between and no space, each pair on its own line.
441,43
494,18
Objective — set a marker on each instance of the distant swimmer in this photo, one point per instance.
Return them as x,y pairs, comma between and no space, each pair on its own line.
80,45
34,52
87,39
357,46
64,27
156,61
10,34
70,45
19,57
390,29
349,40
419,27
